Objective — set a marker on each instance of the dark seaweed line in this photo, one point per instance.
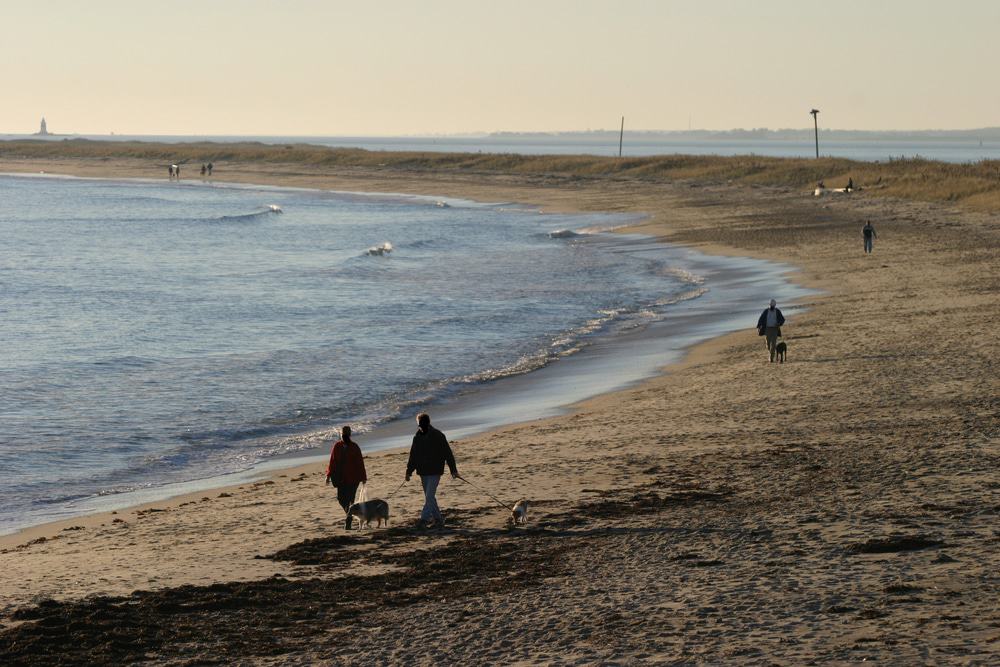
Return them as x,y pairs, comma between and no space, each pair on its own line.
271,616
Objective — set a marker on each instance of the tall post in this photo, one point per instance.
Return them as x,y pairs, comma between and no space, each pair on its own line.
815,113
621,135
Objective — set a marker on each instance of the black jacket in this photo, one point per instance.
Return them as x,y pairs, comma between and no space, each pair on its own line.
762,321
429,452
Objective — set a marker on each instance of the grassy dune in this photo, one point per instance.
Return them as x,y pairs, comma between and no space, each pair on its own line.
973,185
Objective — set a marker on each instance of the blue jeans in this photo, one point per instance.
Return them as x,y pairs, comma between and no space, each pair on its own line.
431,511
868,245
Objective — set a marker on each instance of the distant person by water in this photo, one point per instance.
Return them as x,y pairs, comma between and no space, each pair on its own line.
346,470
769,325
850,184
203,169
209,168
868,232
428,454
170,172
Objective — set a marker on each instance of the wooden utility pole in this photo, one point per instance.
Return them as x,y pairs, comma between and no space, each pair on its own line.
815,112
621,135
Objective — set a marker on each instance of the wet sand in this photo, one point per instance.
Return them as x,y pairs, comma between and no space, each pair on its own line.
839,507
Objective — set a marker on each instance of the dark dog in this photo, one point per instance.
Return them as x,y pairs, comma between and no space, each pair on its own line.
781,350
373,510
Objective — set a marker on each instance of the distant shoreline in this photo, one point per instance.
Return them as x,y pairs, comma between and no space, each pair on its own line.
975,185
777,134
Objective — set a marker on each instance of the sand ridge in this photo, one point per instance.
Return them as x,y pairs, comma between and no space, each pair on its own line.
839,507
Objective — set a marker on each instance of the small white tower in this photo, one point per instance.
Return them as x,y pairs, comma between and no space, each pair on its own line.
43,130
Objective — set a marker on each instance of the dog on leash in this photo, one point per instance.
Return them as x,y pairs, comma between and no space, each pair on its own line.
519,513
781,349
372,510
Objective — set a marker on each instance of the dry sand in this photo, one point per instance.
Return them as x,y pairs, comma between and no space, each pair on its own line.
837,508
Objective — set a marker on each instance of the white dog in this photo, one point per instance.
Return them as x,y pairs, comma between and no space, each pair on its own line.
519,514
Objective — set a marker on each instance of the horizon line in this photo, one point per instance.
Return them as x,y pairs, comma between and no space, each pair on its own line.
485,133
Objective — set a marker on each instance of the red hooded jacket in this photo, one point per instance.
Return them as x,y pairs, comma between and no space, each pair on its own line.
347,466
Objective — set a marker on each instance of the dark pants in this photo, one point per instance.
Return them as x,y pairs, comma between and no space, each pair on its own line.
868,245
345,496
771,338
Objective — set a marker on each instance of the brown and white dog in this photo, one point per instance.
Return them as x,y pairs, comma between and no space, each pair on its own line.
519,513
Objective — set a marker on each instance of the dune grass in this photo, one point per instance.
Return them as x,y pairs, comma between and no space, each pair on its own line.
974,185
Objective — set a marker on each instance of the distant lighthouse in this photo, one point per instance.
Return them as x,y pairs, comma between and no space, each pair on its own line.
43,130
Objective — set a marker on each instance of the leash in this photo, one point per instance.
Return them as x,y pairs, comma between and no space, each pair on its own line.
502,503
394,492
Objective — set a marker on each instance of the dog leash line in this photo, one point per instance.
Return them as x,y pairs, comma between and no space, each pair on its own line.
502,504
394,492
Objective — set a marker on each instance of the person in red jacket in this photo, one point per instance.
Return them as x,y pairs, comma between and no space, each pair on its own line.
346,470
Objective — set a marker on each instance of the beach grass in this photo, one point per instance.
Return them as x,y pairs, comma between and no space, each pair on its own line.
974,185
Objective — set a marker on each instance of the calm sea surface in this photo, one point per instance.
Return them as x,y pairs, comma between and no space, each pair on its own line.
156,332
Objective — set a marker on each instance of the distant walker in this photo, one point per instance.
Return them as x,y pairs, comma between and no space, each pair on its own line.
769,325
868,232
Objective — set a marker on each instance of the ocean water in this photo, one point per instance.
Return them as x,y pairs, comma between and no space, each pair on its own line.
154,332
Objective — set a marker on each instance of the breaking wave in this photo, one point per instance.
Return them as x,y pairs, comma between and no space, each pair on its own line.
683,275
270,209
380,250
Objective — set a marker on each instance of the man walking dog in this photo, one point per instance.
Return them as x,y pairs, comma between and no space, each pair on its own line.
428,454
769,325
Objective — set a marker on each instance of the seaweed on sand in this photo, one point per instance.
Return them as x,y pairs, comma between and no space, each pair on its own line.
273,616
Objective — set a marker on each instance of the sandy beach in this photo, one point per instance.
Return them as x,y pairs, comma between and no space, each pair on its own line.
837,508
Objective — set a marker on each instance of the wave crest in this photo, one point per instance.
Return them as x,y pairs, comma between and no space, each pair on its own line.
270,209
380,250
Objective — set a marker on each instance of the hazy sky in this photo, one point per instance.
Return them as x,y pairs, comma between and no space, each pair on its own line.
442,66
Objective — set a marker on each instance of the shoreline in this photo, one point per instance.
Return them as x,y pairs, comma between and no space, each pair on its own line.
96,509
837,508
698,353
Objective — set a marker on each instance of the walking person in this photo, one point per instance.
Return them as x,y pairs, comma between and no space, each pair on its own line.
346,470
769,325
428,455
209,168
868,232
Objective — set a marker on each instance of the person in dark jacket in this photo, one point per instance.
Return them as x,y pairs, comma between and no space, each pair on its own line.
428,454
868,233
346,470
769,325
